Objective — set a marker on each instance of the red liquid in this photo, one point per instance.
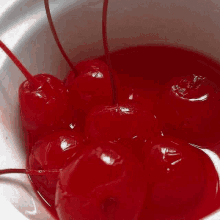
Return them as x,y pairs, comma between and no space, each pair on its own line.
152,66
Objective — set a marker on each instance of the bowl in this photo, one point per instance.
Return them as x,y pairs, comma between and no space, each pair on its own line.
191,24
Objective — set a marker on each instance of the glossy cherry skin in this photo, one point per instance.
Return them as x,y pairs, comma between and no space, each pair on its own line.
52,152
44,107
182,180
103,182
189,109
91,87
121,123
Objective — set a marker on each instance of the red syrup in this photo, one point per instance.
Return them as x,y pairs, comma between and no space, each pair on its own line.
148,69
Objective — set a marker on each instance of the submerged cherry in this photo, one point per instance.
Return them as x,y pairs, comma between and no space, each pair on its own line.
181,180
52,152
189,109
104,181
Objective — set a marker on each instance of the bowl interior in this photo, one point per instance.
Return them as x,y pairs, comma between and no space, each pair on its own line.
190,24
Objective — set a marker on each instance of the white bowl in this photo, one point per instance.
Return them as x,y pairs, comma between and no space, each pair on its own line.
24,28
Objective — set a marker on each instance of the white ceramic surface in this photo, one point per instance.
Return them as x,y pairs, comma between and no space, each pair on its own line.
193,24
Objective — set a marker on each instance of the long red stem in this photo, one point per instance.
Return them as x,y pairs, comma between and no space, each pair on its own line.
26,73
28,171
53,30
105,44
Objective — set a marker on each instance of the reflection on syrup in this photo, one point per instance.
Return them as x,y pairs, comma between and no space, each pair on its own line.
107,159
192,88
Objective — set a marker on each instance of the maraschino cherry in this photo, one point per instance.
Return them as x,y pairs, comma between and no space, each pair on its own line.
43,99
103,182
180,178
91,87
119,121
189,109
89,81
45,106
52,152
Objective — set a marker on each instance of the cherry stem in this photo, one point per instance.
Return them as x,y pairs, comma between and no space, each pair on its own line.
29,171
107,55
53,30
26,73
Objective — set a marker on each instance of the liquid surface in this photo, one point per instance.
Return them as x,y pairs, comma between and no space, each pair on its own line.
149,68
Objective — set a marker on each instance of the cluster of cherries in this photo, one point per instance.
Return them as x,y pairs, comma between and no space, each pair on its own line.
113,151
114,160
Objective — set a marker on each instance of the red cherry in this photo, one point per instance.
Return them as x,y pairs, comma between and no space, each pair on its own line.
92,87
52,152
45,106
189,109
129,122
103,182
181,179
43,99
